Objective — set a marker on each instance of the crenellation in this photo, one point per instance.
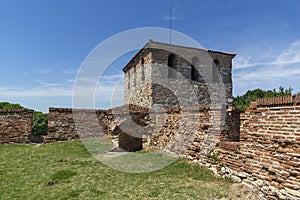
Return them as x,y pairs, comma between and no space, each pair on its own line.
269,150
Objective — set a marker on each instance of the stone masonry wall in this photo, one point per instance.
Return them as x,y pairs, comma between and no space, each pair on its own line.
147,81
15,125
90,122
61,125
267,158
209,78
137,82
191,131
178,130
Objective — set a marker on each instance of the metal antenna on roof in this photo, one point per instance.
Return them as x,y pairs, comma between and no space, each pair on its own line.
170,22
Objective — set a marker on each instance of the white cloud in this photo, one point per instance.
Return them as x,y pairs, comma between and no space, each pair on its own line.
47,84
167,18
242,62
106,94
269,73
288,56
68,70
282,69
46,70
115,77
41,91
50,70
111,79
71,80
42,97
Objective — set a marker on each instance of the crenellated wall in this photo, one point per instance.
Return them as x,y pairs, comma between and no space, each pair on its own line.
267,157
15,125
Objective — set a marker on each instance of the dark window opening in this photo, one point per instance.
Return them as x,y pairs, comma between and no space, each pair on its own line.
128,86
134,76
217,62
194,71
172,66
143,70
143,61
216,71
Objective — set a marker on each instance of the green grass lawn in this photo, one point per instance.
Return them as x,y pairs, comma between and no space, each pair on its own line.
66,170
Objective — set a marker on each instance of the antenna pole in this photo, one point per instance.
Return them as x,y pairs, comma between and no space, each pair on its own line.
170,22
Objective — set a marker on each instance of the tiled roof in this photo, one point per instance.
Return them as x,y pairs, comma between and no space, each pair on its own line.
151,42
181,46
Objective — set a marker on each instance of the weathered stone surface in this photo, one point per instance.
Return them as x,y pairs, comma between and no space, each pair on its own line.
68,124
293,192
89,123
201,74
131,133
129,142
15,125
242,175
236,179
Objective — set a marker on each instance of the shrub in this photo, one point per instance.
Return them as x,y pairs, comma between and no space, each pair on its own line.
6,105
40,123
242,102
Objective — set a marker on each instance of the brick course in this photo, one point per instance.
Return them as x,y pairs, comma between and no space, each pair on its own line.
268,154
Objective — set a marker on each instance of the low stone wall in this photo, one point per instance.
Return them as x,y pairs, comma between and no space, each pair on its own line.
267,158
68,123
15,125
89,123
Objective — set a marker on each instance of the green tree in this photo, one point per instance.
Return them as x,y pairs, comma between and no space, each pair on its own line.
40,123
7,105
40,120
242,102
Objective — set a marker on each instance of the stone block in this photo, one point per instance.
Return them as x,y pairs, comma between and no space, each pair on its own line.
130,143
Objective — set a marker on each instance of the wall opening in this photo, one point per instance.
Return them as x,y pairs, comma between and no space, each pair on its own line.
215,71
134,76
143,69
194,71
128,83
172,66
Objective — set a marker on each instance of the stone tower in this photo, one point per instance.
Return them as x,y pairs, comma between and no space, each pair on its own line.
169,75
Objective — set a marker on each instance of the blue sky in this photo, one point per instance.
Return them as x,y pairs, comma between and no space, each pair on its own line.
43,43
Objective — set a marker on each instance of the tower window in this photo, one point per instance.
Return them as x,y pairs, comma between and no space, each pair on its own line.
128,83
216,71
194,72
134,76
217,62
143,61
172,66
143,69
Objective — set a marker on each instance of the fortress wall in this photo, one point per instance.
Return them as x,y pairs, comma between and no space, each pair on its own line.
15,125
267,158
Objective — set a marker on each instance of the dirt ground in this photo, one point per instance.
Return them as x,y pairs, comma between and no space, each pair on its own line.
240,192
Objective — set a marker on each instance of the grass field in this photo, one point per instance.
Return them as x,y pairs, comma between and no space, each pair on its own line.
66,170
